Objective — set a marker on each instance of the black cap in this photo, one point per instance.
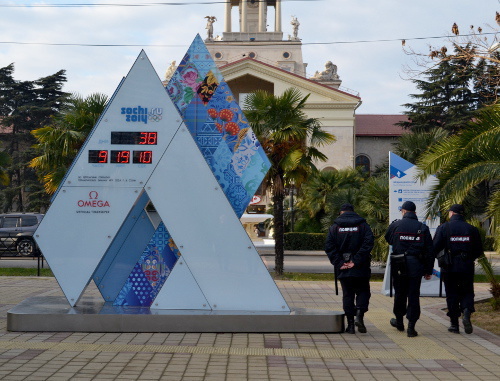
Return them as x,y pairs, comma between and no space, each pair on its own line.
457,208
347,207
409,206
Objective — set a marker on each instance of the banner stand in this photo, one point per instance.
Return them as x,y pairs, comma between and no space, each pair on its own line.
404,186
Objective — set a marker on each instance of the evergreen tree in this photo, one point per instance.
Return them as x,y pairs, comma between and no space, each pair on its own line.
447,99
487,81
25,106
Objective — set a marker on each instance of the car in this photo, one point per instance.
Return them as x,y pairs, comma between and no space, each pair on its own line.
16,233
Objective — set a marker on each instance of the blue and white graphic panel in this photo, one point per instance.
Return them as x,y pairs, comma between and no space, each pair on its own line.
404,186
221,256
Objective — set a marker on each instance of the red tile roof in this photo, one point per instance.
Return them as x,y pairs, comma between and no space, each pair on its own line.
379,125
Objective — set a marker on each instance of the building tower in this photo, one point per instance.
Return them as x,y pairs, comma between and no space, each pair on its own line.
253,54
259,36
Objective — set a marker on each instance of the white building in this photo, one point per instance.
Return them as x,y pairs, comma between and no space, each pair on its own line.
253,54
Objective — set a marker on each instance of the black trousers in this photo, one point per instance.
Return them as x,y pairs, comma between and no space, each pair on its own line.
355,294
459,292
406,296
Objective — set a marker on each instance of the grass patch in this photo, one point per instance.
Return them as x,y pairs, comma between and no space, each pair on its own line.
478,278
318,277
481,278
486,317
16,271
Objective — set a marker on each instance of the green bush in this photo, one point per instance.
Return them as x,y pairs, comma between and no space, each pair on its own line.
305,241
488,243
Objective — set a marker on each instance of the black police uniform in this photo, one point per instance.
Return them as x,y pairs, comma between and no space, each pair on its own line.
463,242
350,234
410,237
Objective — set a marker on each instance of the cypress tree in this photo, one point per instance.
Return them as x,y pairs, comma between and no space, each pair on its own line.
25,106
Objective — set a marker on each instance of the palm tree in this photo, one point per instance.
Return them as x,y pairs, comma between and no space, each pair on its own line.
371,201
315,193
413,144
291,140
59,142
462,163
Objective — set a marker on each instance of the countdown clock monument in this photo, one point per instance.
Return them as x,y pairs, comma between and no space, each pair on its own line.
149,211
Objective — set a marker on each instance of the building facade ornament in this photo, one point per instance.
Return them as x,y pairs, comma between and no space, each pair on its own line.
170,71
261,70
295,24
210,27
329,74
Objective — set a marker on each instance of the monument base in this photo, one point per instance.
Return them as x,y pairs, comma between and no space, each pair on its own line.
53,314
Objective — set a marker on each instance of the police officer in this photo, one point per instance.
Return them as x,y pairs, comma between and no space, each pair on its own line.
463,243
348,246
411,258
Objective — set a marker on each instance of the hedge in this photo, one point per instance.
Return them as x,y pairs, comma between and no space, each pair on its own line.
488,243
305,241
316,241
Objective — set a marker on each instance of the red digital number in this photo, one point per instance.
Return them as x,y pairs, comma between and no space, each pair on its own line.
103,157
146,157
123,157
152,137
148,138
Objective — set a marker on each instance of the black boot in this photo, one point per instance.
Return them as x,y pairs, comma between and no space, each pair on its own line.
359,321
454,325
410,332
398,323
350,324
466,321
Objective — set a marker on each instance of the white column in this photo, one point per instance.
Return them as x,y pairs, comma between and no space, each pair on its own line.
277,22
262,18
243,5
227,20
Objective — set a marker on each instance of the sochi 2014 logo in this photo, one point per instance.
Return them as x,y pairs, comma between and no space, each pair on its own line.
141,114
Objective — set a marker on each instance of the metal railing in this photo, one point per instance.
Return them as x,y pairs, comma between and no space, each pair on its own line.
8,245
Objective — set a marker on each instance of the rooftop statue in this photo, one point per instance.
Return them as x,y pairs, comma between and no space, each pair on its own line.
210,27
170,71
329,74
295,24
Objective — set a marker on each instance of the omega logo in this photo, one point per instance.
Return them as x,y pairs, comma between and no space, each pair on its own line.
93,201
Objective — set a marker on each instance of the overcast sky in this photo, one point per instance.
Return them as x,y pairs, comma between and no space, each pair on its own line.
374,69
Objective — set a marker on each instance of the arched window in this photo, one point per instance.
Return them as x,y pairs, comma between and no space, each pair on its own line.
363,161
329,169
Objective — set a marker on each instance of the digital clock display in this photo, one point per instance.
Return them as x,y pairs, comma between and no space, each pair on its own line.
143,157
98,156
134,137
120,157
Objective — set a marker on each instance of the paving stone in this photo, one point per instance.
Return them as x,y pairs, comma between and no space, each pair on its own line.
381,354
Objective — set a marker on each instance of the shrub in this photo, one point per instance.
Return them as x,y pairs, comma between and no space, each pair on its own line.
489,241
305,241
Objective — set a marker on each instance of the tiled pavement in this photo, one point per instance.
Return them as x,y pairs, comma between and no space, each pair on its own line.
381,354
